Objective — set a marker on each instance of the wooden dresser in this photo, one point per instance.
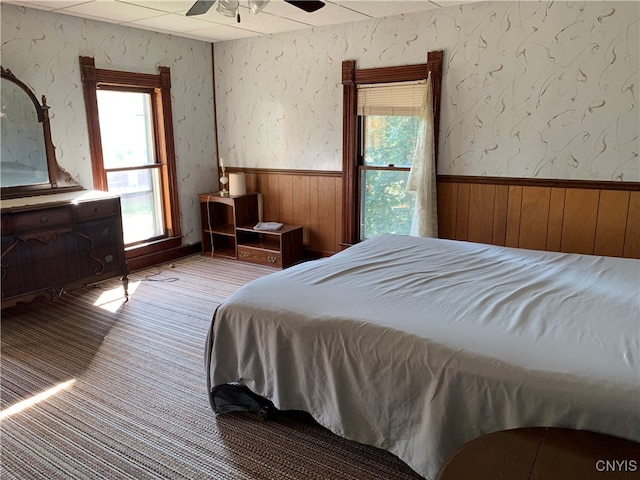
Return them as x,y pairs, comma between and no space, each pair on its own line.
55,242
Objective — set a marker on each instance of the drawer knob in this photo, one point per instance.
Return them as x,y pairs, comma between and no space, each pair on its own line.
105,232
44,218
244,254
108,258
272,259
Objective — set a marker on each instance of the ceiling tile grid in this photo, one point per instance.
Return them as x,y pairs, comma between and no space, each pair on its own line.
169,16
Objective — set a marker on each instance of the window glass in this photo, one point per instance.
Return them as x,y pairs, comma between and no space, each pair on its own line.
126,127
387,207
140,202
388,147
390,140
126,130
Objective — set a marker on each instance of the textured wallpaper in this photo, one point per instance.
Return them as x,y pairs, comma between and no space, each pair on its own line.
42,49
530,89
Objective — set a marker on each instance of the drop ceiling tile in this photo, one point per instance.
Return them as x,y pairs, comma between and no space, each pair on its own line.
265,23
48,5
328,15
168,6
221,33
111,11
168,16
386,9
172,23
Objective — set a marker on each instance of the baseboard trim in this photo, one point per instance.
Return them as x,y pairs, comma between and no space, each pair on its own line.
163,256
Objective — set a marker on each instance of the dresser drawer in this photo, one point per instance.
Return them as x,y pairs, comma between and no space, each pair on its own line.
264,257
98,209
36,220
101,232
108,260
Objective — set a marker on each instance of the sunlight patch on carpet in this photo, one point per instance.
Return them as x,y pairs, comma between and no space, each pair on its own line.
113,298
31,401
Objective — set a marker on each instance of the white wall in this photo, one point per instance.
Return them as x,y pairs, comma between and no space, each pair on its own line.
530,89
42,49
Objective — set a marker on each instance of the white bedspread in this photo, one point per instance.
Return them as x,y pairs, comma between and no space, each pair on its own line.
419,345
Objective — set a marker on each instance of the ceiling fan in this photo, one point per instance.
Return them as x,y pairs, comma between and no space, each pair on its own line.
229,8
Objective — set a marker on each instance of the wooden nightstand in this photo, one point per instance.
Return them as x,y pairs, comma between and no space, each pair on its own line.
280,248
227,231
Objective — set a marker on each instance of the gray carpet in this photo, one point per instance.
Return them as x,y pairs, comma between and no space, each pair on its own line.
119,392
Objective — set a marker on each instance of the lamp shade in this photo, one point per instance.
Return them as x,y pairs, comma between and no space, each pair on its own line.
237,184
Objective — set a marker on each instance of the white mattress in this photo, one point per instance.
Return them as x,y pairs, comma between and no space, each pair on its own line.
419,345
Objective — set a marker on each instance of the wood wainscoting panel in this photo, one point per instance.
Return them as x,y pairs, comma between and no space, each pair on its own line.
286,200
613,210
500,209
579,224
481,211
462,216
447,209
632,234
329,211
575,216
514,207
556,217
534,217
302,206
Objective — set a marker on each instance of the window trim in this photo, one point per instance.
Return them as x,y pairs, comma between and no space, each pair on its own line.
351,78
159,86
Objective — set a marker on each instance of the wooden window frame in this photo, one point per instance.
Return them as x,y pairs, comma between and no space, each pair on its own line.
351,78
160,88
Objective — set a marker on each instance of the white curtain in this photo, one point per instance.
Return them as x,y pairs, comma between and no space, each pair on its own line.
422,177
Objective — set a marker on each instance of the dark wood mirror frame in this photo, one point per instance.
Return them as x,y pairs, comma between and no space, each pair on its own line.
59,180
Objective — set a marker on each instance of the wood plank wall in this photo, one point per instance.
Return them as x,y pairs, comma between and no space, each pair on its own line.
601,218
312,199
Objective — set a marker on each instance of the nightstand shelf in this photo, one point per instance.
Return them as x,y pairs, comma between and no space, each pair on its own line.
219,216
225,229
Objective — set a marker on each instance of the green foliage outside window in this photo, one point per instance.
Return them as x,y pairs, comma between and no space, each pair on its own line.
387,207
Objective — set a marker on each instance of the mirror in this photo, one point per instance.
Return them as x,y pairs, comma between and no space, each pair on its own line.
28,164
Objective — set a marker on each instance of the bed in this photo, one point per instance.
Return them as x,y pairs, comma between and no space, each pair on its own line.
419,345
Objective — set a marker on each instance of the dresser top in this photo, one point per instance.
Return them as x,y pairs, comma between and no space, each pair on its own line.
54,199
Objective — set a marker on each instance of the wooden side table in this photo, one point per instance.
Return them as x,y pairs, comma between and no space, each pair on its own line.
542,453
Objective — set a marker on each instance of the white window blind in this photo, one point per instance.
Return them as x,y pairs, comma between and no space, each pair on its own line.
402,98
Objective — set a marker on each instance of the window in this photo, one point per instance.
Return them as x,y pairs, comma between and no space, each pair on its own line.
388,123
131,140
388,144
130,161
378,148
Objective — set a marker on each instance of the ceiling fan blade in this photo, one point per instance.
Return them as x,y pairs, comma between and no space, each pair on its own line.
200,7
308,6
